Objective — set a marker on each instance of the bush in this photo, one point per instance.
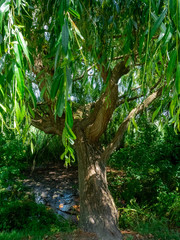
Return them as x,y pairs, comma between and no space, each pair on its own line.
149,171
19,215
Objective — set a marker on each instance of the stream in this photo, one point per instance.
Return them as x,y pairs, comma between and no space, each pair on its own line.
57,188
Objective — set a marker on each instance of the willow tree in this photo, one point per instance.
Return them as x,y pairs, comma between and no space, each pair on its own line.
67,66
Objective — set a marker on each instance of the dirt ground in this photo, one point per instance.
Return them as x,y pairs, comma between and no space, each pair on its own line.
80,235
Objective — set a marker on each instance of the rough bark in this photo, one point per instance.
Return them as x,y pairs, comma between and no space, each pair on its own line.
98,120
98,212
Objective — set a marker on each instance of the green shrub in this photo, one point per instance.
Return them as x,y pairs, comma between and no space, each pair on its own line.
149,171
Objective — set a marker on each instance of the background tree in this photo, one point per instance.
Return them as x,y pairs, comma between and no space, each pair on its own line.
84,62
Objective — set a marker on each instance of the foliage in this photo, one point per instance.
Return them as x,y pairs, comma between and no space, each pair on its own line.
149,174
46,44
13,151
19,214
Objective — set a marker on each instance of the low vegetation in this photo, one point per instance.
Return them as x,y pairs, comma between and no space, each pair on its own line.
143,179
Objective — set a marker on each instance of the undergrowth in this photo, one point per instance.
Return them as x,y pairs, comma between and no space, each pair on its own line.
145,185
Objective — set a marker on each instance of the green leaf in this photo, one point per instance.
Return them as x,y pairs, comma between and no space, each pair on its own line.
177,81
33,97
65,37
70,132
4,109
18,54
172,106
23,44
2,62
32,147
156,113
18,4
69,115
18,111
178,13
69,80
158,24
134,123
42,92
74,13
171,66
57,56
4,6
20,81
31,111
55,85
60,104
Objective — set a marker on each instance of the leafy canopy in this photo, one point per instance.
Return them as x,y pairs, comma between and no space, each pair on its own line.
59,52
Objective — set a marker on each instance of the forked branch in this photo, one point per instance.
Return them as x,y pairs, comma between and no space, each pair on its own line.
116,142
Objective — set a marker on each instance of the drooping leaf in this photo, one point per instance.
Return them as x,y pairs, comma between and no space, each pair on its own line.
69,115
4,6
177,81
178,13
156,113
20,81
4,109
65,37
18,3
18,111
134,123
31,111
60,104
69,80
172,106
55,85
18,54
23,44
171,66
158,23
70,132
42,92
33,97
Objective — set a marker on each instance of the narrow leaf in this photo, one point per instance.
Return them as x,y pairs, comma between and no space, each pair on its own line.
4,6
70,132
69,80
20,81
18,3
156,113
55,86
18,54
134,123
172,106
74,13
65,37
177,81
171,65
158,23
60,104
69,115
4,109
23,44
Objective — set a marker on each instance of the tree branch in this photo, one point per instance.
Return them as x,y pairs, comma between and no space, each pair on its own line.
124,125
98,120
48,124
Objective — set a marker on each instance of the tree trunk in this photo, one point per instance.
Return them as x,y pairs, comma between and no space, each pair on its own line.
98,212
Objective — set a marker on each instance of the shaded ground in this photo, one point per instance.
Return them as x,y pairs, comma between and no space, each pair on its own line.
80,235
57,188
